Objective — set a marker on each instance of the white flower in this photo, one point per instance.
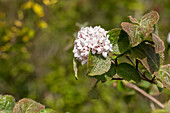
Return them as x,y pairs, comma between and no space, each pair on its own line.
91,39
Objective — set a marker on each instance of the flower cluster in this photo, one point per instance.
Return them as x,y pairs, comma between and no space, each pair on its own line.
91,39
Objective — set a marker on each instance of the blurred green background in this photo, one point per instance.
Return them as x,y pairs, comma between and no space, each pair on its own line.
36,42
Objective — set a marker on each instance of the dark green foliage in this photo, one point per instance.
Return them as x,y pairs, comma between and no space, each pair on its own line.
119,40
147,55
100,77
128,72
112,71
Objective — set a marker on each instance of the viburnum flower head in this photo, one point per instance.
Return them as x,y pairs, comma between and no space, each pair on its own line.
91,39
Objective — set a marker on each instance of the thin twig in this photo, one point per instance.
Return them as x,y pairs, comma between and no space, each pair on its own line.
130,85
127,56
143,75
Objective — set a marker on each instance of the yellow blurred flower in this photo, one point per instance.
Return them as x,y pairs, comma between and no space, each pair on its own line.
28,5
6,47
49,2
42,24
5,38
25,39
38,9
18,23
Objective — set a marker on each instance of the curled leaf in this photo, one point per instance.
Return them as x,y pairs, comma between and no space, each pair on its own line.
75,67
158,43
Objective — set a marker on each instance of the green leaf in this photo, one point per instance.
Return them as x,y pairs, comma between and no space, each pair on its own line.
155,31
119,40
112,71
159,86
7,103
100,77
28,106
75,67
47,111
160,111
158,43
97,64
128,72
164,75
120,86
93,93
146,54
168,106
140,28
6,111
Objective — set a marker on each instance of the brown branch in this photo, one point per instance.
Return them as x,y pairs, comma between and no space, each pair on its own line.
127,56
130,85
143,75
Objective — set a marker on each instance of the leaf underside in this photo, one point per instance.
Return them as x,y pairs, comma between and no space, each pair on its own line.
28,106
158,43
140,28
